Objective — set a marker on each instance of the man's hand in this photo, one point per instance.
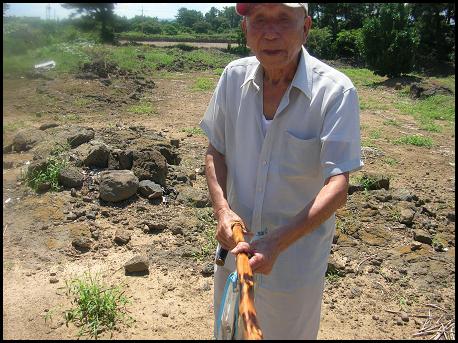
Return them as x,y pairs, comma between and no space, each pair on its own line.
264,253
226,217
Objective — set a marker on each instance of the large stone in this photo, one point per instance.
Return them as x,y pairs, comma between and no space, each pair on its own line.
422,236
122,237
150,190
79,135
406,216
194,197
26,139
120,159
137,264
93,154
71,177
117,185
150,165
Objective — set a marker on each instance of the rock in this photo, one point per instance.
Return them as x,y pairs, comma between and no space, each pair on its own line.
156,227
91,215
451,216
73,192
120,159
438,246
208,270
168,152
26,139
93,154
429,210
415,246
150,189
117,185
48,126
137,264
43,187
82,244
150,165
53,280
402,194
422,236
175,143
122,237
193,197
375,317
78,135
382,195
404,317
407,216
352,188
70,177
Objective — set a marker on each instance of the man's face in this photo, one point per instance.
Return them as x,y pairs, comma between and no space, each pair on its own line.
275,33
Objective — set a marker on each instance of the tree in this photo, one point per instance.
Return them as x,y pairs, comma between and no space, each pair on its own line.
188,18
100,12
389,41
5,8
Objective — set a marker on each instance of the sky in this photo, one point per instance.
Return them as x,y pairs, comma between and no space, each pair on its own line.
129,10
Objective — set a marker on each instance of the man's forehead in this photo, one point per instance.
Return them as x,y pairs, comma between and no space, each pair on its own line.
248,9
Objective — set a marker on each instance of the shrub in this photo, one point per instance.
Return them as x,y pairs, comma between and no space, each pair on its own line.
349,43
319,43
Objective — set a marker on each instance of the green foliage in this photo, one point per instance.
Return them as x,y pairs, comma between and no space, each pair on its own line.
203,84
415,140
193,130
49,174
143,108
389,42
320,43
96,307
349,43
367,181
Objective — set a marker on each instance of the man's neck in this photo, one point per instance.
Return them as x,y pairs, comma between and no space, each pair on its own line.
279,76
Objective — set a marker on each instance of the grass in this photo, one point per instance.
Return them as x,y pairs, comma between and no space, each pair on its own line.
96,307
332,277
193,130
391,122
207,224
203,84
375,134
143,108
366,181
416,140
427,111
362,76
390,161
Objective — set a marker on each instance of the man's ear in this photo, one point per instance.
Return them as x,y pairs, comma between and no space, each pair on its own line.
307,27
243,25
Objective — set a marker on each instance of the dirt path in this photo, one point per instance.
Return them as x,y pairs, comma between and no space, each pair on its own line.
378,270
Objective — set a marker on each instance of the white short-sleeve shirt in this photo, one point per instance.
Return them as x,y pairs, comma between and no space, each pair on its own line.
314,134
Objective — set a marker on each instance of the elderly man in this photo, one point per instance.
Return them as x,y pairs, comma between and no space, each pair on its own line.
283,132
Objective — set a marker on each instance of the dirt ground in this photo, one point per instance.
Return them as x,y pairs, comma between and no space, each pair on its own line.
383,287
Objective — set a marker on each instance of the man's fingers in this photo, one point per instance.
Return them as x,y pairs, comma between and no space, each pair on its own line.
242,247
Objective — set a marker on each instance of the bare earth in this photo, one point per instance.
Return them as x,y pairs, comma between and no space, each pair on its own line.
380,274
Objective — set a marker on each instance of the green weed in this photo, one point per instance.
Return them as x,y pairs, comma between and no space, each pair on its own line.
207,225
203,84
332,276
49,174
415,140
193,130
390,161
96,307
375,134
392,122
143,108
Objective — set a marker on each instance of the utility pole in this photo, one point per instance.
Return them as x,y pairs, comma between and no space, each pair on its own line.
48,12
142,19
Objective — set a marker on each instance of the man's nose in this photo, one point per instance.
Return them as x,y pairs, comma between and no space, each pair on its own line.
271,31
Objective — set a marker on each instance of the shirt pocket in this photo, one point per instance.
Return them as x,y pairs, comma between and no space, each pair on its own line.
300,158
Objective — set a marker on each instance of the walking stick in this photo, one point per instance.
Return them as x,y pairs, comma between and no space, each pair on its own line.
247,312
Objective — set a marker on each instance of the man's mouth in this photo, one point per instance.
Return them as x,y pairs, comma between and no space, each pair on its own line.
272,52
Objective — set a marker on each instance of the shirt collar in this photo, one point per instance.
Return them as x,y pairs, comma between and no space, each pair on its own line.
302,79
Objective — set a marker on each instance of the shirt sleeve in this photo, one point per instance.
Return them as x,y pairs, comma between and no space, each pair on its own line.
213,122
340,136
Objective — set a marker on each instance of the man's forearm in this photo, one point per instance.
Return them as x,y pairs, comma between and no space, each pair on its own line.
331,197
216,173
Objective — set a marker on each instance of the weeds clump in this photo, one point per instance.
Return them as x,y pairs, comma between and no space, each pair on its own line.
97,307
415,140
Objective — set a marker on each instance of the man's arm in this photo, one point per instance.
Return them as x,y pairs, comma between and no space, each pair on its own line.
332,196
216,173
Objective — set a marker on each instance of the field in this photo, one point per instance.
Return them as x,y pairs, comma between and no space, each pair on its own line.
391,272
